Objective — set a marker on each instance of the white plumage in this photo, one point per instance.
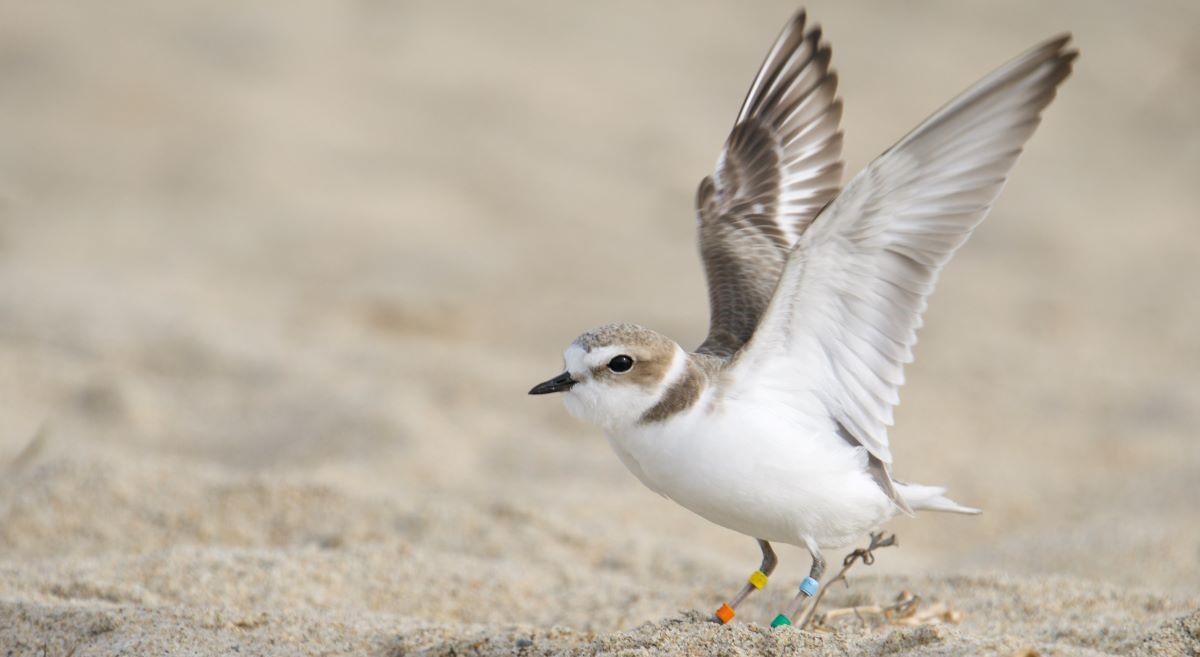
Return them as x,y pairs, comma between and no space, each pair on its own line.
776,426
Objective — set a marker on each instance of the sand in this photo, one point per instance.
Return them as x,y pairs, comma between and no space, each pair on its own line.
274,280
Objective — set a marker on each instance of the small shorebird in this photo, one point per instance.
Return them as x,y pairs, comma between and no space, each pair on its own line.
776,425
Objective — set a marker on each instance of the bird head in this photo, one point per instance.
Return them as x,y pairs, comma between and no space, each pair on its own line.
614,374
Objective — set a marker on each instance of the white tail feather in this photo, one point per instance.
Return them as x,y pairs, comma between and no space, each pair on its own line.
931,498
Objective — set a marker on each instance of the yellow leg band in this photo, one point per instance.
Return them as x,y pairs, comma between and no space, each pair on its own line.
758,579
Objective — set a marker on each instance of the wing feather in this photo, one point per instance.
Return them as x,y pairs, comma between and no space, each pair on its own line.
781,164
843,319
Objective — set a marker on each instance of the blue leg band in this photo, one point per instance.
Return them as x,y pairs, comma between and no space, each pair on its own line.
809,586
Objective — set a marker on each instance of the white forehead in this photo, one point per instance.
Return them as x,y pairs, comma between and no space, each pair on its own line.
579,359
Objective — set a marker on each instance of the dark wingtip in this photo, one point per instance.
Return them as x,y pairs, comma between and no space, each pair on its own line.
1061,45
799,17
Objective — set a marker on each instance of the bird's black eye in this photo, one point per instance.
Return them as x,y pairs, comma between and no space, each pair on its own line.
620,363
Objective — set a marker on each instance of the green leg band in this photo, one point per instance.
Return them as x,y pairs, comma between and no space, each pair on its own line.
780,620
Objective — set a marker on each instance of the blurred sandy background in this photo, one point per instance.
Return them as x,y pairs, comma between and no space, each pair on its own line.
275,277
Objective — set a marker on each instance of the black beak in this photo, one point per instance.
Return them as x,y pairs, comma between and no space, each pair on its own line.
560,383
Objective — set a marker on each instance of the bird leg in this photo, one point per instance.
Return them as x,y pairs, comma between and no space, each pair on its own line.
866,555
808,588
758,579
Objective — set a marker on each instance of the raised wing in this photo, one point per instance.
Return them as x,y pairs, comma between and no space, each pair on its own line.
780,166
843,321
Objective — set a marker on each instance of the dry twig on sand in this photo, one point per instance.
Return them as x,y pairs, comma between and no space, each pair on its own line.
906,610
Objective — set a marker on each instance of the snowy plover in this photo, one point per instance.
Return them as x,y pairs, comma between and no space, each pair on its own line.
776,426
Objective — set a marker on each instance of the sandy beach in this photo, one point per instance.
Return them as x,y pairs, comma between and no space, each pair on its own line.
275,279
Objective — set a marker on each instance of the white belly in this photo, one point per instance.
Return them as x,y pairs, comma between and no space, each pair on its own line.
759,473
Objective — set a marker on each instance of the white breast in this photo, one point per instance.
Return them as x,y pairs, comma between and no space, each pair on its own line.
769,471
